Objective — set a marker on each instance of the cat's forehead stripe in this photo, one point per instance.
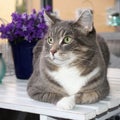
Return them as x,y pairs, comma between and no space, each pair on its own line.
58,31
60,41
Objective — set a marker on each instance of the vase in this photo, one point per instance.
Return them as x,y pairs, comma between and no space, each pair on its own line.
22,57
2,68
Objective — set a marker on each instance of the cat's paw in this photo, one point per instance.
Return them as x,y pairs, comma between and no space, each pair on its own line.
66,103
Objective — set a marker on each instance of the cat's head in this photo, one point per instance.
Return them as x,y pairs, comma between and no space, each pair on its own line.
65,40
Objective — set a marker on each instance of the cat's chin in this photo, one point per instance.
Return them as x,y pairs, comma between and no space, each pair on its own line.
56,61
59,61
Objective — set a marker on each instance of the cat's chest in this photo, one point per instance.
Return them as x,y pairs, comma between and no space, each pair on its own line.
70,79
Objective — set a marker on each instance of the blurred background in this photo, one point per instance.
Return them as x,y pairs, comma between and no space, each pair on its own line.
66,9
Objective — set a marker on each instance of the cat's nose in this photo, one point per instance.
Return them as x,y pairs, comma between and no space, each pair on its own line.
53,51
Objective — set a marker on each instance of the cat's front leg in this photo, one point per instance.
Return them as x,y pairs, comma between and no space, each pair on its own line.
66,103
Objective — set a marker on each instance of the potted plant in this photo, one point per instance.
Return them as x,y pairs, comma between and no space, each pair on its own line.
23,33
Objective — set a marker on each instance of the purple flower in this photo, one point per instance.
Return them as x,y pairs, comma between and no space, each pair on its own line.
48,8
30,27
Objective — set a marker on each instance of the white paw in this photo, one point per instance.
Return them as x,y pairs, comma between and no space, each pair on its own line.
66,103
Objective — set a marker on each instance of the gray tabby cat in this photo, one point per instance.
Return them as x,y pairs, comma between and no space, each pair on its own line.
70,64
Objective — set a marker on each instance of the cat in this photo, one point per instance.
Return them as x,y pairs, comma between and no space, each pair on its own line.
70,63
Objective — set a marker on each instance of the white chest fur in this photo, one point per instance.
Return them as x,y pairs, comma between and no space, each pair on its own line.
70,78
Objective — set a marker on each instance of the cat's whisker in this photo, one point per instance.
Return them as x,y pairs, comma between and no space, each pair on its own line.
86,60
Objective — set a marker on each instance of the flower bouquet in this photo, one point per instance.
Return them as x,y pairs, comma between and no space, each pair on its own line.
28,27
23,33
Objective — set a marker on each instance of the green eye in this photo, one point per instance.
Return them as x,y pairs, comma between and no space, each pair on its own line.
67,40
50,40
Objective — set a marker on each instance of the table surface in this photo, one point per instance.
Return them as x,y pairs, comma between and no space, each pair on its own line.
13,96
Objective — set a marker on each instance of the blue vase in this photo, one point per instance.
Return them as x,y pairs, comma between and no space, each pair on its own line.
2,68
22,56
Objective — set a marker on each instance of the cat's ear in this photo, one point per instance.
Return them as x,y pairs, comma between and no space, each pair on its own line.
50,19
86,20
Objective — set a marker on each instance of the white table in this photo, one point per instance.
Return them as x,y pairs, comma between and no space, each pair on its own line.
13,96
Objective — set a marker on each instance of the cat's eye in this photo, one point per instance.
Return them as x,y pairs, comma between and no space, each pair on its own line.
67,40
50,40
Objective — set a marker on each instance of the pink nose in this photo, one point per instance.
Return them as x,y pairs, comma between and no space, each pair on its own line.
53,51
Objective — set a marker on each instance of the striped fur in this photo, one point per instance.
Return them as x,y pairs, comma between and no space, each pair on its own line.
66,74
